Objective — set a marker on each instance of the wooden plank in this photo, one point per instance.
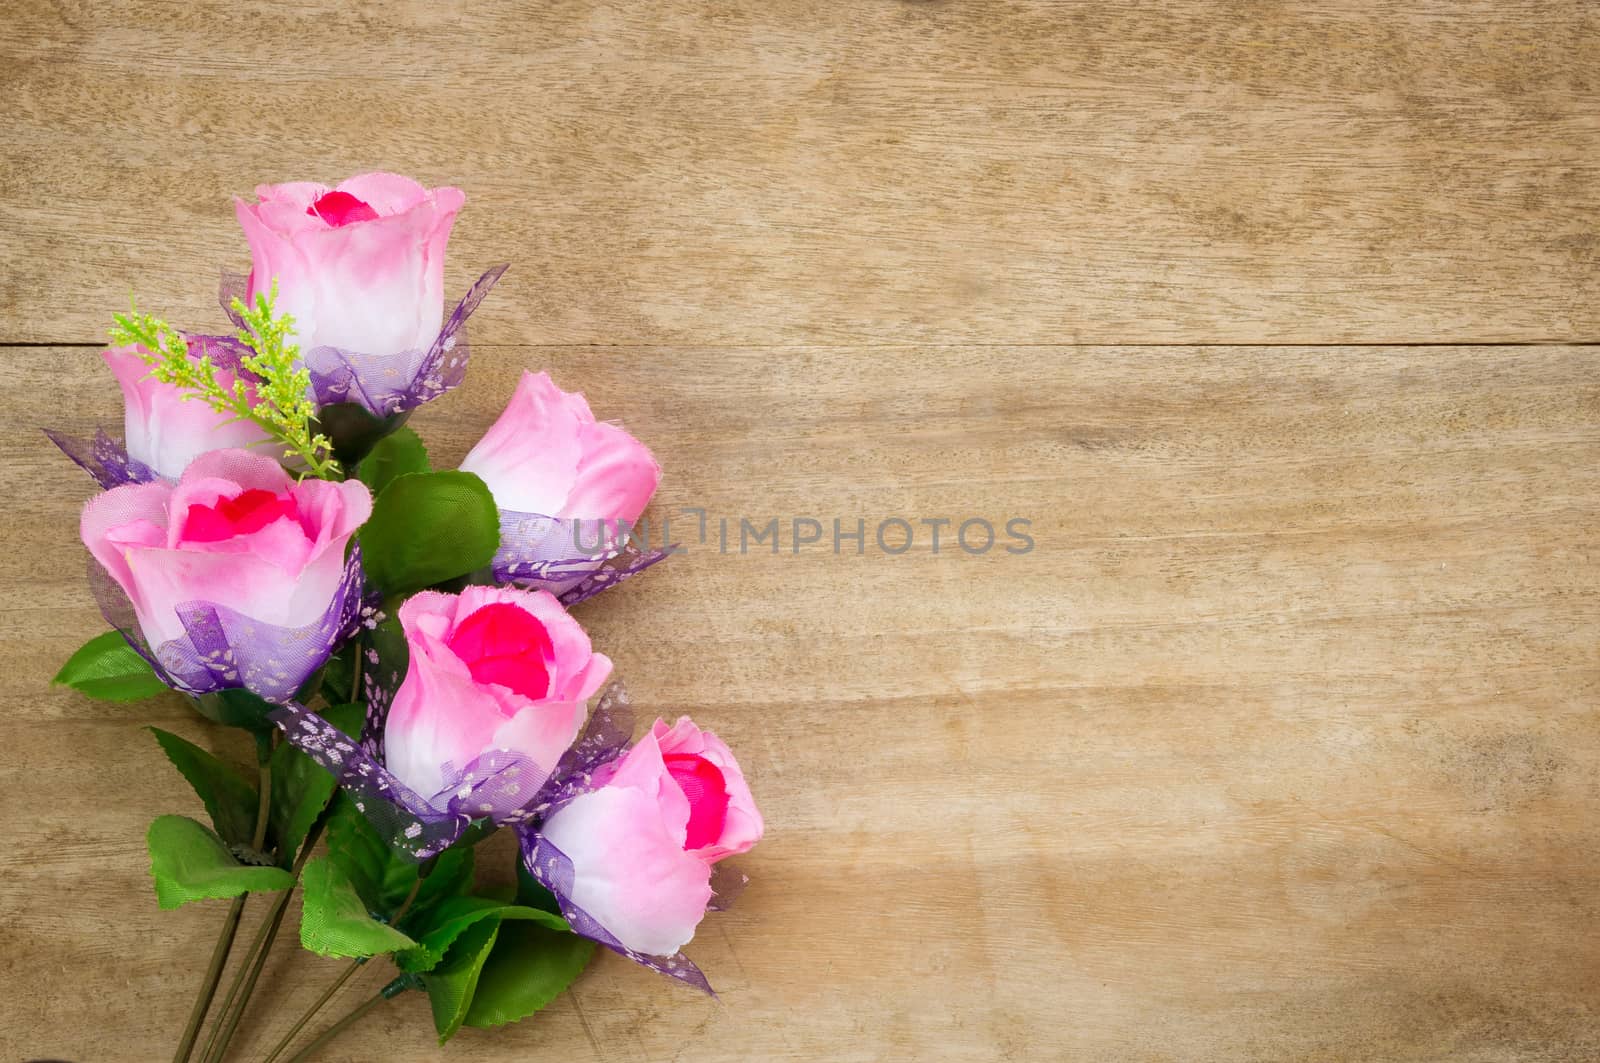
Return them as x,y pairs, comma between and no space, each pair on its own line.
1279,746
801,172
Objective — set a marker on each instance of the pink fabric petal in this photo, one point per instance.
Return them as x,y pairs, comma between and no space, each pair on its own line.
167,579
445,713
616,476
294,195
339,209
505,644
374,286
529,457
440,718
707,793
282,543
165,431
742,823
577,672
542,731
245,513
585,682
134,514
629,872
333,511
643,768
248,471
284,573
388,193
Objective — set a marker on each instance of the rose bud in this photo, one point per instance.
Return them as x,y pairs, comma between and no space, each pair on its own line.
492,670
237,575
642,843
164,432
547,456
360,267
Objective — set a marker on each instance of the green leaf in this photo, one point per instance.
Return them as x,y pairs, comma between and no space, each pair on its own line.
383,875
190,863
300,791
395,455
237,708
338,676
109,669
230,800
440,930
450,875
528,967
456,916
349,718
380,874
532,894
429,527
335,921
302,788
463,938
388,641
451,984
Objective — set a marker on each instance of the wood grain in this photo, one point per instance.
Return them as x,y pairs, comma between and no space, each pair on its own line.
1279,745
803,172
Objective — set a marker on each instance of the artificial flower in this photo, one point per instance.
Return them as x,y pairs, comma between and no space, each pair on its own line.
494,671
163,430
547,456
360,267
642,841
237,575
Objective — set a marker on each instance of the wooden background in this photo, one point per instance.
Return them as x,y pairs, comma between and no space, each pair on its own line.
1277,320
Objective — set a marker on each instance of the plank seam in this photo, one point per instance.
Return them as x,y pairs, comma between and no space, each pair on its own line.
37,345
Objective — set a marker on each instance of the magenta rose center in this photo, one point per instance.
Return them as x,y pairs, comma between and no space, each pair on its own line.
702,783
247,512
502,643
340,208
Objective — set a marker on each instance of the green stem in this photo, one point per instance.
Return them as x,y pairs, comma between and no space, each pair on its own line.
394,988
249,974
311,1012
349,971
244,982
355,682
405,905
230,926
208,988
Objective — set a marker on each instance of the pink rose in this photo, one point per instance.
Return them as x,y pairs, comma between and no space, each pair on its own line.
360,267
492,669
239,534
165,432
547,455
642,843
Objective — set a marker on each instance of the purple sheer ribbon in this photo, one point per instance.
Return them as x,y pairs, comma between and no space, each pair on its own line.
224,649
103,458
226,353
727,882
504,787
386,384
412,824
552,554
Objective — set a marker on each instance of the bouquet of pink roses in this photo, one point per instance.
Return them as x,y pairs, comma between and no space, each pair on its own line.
272,542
